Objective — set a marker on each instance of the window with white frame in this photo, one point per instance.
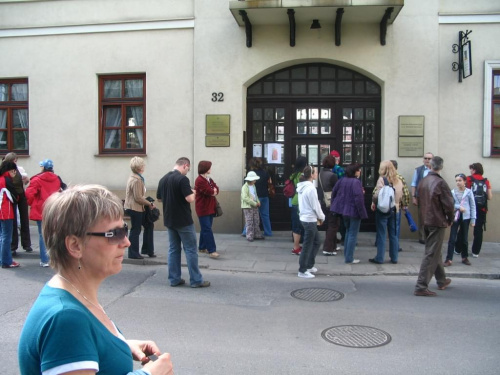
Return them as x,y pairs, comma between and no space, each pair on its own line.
491,122
14,119
122,105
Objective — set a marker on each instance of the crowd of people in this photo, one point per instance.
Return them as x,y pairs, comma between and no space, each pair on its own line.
86,235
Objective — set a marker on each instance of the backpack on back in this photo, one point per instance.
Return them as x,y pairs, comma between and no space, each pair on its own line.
386,201
480,191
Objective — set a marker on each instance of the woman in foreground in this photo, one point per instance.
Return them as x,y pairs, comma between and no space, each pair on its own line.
67,330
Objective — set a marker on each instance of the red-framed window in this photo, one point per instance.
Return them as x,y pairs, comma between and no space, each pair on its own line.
14,116
495,114
122,109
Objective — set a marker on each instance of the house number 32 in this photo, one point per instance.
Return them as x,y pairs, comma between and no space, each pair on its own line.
217,96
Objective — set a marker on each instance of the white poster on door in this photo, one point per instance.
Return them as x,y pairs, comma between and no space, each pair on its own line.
273,153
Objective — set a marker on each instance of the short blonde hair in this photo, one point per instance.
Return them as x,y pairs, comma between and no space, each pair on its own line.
137,164
72,213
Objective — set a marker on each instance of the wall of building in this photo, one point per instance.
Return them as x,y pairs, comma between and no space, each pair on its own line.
185,65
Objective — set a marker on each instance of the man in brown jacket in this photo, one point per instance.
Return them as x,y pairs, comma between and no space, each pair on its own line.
437,210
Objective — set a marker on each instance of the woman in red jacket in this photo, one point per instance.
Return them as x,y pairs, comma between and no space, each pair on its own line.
7,198
42,186
206,190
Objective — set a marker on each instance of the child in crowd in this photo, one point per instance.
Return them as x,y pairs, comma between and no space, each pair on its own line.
465,213
250,204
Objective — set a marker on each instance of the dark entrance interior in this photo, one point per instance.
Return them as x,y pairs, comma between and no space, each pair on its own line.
310,110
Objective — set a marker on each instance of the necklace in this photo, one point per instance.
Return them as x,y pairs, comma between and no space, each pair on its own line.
99,307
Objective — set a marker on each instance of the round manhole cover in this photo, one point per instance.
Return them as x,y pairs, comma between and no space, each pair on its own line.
317,294
356,336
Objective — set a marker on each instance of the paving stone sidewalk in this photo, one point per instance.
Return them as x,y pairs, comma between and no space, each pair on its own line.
273,255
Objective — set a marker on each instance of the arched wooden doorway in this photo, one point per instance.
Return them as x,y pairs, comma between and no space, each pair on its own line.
309,110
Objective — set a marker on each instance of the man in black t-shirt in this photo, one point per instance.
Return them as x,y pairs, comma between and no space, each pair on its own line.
174,191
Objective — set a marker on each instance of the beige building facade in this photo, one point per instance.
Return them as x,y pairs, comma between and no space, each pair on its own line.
193,60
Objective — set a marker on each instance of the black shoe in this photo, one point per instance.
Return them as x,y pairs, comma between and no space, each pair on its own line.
394,261
422,242
28,249
152,256
182,282
374,261
136,257
400,250
14,253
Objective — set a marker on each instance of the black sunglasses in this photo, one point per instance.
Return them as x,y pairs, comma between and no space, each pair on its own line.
114,236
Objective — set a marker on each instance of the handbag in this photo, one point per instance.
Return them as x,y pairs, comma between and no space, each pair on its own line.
152,214
218,208
270,189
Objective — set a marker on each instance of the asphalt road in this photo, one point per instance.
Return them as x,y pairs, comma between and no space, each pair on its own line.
248,323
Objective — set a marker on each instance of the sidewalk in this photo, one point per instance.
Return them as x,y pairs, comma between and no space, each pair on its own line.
273,255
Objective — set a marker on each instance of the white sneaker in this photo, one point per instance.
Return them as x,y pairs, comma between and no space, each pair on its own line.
338,248
44,264
312,270
355,261
475,255
306,275
328,253
456,252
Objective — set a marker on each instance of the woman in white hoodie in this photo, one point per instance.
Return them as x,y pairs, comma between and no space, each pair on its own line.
311,215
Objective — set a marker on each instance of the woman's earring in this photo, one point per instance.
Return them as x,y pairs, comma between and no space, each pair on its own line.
79,264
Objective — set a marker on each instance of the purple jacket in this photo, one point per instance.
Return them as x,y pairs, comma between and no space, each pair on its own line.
348,198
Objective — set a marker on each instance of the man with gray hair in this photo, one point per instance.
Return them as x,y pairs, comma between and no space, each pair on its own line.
418,175
436,207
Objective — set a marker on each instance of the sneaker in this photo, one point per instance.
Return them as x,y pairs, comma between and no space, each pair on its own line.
42,264
328,253
312,270
475,255
12,265
297,251
447,263
214,255
456,252
181,282
204,251
338,248
202,285
355,261
306,275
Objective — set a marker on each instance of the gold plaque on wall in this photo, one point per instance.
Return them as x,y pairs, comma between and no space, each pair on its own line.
411,126
217,141
218,124
411,146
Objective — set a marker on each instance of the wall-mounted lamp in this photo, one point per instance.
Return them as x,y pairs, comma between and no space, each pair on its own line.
315,25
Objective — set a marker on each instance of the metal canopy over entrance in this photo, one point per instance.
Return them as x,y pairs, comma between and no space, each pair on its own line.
250,14
309,110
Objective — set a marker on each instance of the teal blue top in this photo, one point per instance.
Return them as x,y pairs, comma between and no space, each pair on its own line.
61,331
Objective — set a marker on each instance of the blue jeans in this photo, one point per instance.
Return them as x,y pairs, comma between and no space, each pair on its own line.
5,238
177,237
459,238
297,227
264,216
352,225
310,246
44,258
207,240
386,223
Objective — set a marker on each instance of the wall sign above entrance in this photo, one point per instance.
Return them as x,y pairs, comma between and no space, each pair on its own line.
218,124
